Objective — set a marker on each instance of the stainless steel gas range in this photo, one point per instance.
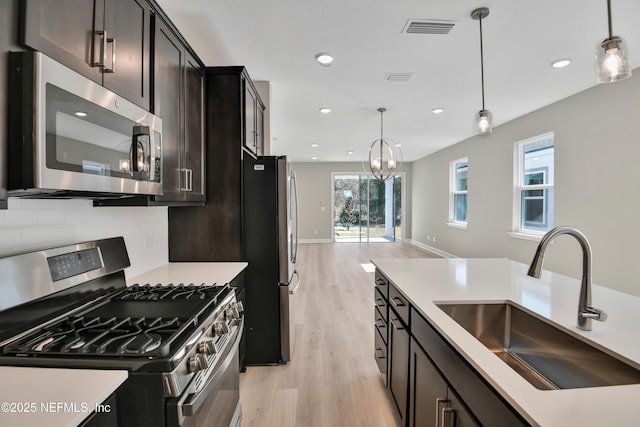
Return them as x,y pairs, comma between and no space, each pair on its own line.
70,307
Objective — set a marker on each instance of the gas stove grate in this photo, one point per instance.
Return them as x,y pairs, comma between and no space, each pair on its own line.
169,292
103,336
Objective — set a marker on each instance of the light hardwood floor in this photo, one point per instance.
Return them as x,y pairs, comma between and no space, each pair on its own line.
332,379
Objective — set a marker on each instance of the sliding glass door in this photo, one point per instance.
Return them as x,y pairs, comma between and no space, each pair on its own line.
366,209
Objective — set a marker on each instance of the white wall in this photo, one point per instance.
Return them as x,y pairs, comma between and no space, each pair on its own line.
597,186
36,224
315,191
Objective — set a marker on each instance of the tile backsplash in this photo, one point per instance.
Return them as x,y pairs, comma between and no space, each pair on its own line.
36,224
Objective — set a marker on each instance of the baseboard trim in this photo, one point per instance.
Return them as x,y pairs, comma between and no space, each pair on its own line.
432,249
315,241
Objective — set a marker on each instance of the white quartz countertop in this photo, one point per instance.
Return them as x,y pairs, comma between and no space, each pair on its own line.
197,273
53,397
428,281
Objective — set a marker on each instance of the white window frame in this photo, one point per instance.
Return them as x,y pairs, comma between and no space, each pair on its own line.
519,186
453,191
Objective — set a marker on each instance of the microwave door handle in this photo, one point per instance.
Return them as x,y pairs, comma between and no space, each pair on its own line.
137,149
134,154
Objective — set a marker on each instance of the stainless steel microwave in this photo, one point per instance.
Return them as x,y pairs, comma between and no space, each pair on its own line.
70,136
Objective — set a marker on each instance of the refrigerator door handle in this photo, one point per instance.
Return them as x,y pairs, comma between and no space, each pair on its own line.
294,283
294,201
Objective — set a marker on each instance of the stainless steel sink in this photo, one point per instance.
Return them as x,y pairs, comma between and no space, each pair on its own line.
545,355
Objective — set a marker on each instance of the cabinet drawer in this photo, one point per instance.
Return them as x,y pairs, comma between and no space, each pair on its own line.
484,402
380,352
381,324
381,305
399,303
382,284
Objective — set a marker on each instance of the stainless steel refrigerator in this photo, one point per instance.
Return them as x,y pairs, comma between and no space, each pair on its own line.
270,242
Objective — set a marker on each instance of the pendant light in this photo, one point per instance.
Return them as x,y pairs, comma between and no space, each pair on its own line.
612,60
483,118
384,156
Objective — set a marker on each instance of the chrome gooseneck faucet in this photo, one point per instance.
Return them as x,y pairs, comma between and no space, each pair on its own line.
585,311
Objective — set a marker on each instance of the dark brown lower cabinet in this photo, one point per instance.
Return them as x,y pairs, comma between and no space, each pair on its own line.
381,334
432,401
398,366
482,402
429,382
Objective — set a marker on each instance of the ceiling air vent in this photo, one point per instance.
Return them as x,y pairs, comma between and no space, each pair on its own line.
398,77
424,26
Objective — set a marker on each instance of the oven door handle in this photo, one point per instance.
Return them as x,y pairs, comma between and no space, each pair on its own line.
195,401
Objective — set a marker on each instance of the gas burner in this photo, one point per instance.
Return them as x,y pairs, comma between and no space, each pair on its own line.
103,336
167,292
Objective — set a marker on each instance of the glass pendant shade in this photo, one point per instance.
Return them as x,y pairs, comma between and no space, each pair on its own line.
483,122
612,60
483,118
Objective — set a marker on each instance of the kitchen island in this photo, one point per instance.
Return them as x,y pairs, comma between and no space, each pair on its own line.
427,282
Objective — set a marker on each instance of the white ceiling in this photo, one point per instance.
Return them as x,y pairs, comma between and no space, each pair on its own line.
277,41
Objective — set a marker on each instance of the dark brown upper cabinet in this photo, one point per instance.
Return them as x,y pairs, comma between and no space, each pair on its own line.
178,101
254,120
214,232
107,41
9,23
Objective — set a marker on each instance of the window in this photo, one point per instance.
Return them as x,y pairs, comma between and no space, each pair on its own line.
533,196
458,178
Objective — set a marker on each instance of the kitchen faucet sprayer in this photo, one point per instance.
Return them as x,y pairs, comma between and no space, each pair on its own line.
585,311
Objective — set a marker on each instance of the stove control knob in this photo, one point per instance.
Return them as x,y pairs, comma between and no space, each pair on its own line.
221,328
207,347
198,362
232,313
239,306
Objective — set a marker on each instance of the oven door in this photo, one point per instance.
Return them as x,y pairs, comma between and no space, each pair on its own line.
217,404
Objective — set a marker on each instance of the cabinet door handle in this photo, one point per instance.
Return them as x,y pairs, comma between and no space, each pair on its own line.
186,181
379,353
448,417
445,404
111,40
100,62
397,301
189,179
396,324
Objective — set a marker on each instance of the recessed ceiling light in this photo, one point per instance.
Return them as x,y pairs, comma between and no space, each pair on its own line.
314,145
325,110
350,152
561,63
397,144
324,58
314,158
80,114
437,110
